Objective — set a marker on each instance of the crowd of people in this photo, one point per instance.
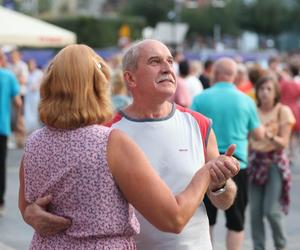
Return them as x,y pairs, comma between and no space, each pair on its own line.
142,150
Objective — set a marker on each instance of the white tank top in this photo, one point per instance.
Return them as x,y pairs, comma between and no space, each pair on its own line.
175,146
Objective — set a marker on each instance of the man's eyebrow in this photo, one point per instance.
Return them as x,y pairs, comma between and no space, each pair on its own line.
159,57
153,57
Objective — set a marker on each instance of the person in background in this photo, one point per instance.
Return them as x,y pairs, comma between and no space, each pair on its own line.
197,69
205,77
268,169
192,83
255,73
295,71
9,92
290,96
4,61
32,97
274,67
242,81
234,117
120,96
20,70
182,95
178,56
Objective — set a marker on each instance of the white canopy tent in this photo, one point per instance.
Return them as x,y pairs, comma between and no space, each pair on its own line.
21,30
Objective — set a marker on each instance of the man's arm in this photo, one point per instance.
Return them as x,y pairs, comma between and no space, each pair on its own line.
259,132
35,214
18,101
221,177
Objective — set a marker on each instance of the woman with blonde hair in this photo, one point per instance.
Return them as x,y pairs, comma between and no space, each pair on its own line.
93,172
269,172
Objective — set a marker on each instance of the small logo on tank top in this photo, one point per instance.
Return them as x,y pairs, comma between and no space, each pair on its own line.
183,150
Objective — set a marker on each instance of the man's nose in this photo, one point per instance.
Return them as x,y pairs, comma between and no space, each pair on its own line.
167,67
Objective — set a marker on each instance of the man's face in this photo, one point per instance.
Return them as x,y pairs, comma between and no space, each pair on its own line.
15,56
155,75
31,65
274,65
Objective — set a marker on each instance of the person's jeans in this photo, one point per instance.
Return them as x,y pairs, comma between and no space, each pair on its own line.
265,202
3,152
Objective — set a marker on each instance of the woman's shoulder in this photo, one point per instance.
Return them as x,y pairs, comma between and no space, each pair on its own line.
284,108
92,133
286,113
36,138
36,134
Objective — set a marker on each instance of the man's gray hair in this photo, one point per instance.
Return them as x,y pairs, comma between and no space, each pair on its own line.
131,57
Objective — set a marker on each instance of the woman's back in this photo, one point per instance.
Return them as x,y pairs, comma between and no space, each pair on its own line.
71,165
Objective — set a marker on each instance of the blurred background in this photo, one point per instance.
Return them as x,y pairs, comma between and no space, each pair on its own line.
204,29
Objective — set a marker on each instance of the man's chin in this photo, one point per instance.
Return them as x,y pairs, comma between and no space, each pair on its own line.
168,95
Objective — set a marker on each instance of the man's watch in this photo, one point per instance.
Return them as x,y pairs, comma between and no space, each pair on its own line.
219,191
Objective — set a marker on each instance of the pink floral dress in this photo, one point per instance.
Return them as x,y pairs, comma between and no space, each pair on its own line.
71,165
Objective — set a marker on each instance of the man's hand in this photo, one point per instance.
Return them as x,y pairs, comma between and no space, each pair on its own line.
224,167
44,223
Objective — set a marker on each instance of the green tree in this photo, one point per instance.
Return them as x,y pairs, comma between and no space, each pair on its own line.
153,11
44,6
268,17
99,32
202,20
293,22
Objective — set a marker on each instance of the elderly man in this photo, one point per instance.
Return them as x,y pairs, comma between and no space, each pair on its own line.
234,117
176,141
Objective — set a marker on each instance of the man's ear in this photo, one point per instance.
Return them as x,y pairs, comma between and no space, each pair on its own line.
129,79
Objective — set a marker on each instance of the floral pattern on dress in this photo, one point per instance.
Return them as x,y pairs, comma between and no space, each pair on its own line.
71,165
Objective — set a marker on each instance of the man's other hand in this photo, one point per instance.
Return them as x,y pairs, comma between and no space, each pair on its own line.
43,222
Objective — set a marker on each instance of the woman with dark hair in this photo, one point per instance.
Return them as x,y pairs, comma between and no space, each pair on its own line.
269,172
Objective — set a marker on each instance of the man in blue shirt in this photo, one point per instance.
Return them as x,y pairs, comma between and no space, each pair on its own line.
234,116
9,91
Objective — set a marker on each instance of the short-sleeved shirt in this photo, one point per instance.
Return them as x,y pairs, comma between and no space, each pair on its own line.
9,88
278,116
234,115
